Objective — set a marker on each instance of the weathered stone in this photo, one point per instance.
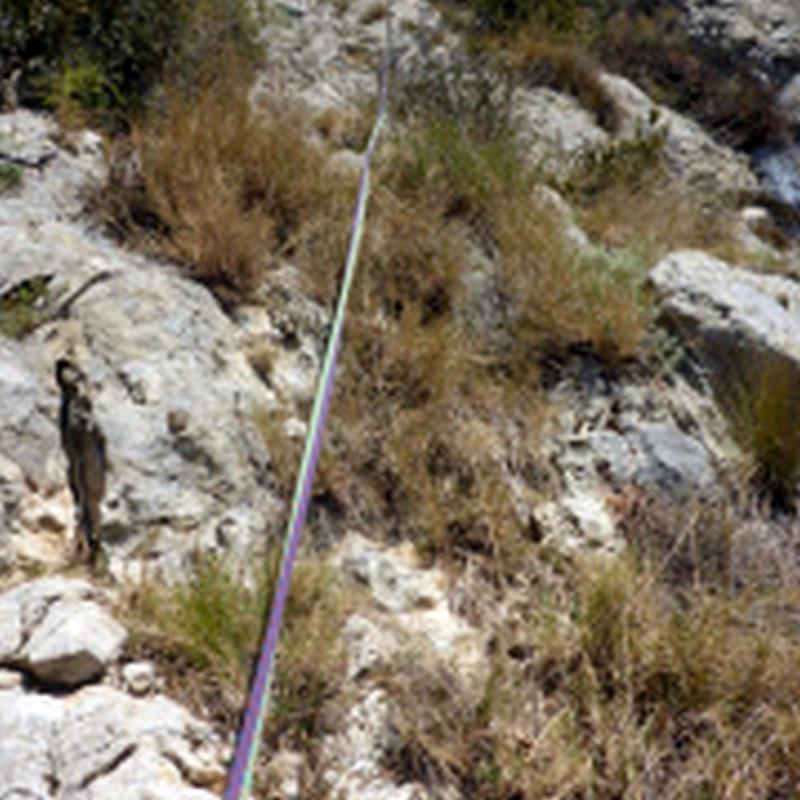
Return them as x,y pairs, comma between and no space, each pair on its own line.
690,152
151,342
368,644
24,607
139,677
764,32
393,581
353,756
285,773
28,723
417,600
735,319
73,644
111,745
10,679
670,461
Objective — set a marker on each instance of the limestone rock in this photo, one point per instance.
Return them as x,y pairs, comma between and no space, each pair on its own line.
100,743
691,153
353,756
732,316
153,343
765,32
54,629
73,644
139,677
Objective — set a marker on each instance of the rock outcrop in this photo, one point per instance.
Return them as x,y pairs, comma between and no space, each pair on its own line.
739,320
172,389
87,742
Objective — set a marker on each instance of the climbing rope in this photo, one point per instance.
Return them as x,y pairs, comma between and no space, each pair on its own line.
240,777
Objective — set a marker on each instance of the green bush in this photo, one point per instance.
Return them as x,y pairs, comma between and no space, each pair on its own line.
106,57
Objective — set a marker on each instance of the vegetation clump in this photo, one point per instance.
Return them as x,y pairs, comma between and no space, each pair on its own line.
103,60
614,685
208,630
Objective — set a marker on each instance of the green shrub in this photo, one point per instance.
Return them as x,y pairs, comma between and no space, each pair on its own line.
10,176
105,57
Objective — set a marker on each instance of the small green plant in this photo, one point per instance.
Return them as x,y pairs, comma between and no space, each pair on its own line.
212,625
10,176
23,306
79,91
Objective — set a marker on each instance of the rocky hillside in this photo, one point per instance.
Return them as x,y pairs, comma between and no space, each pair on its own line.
552,549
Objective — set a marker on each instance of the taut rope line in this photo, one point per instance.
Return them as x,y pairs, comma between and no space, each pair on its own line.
240,777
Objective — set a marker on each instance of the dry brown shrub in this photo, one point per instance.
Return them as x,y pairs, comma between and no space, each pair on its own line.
606,684
221,188
564,67
563,298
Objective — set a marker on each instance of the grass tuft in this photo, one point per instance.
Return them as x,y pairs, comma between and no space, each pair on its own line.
222,188
207,632
761,403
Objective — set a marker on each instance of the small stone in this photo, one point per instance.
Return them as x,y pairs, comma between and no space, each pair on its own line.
285,772
139,677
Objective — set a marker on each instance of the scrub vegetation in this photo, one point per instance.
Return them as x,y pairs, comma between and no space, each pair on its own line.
617,680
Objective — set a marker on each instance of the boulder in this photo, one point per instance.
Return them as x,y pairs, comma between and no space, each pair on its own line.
54,629
100,743
73,644
691,153
157,348
734,318
764,32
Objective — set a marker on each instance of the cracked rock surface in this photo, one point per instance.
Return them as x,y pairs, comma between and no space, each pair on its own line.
97,741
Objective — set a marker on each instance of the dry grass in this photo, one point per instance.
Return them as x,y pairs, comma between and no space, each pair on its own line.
611,686
538,60
221,188
562,298
761,402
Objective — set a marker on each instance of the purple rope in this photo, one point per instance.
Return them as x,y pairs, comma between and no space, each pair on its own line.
240,778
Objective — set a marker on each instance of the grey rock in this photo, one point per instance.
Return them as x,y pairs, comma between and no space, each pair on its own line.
691,154
151,342
10,628
24,607
28,723
395,585
10,679
671,461
99,743
353,756
110,745
369,645
553,126
73,644
285,773
735,319
764,32
54,629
